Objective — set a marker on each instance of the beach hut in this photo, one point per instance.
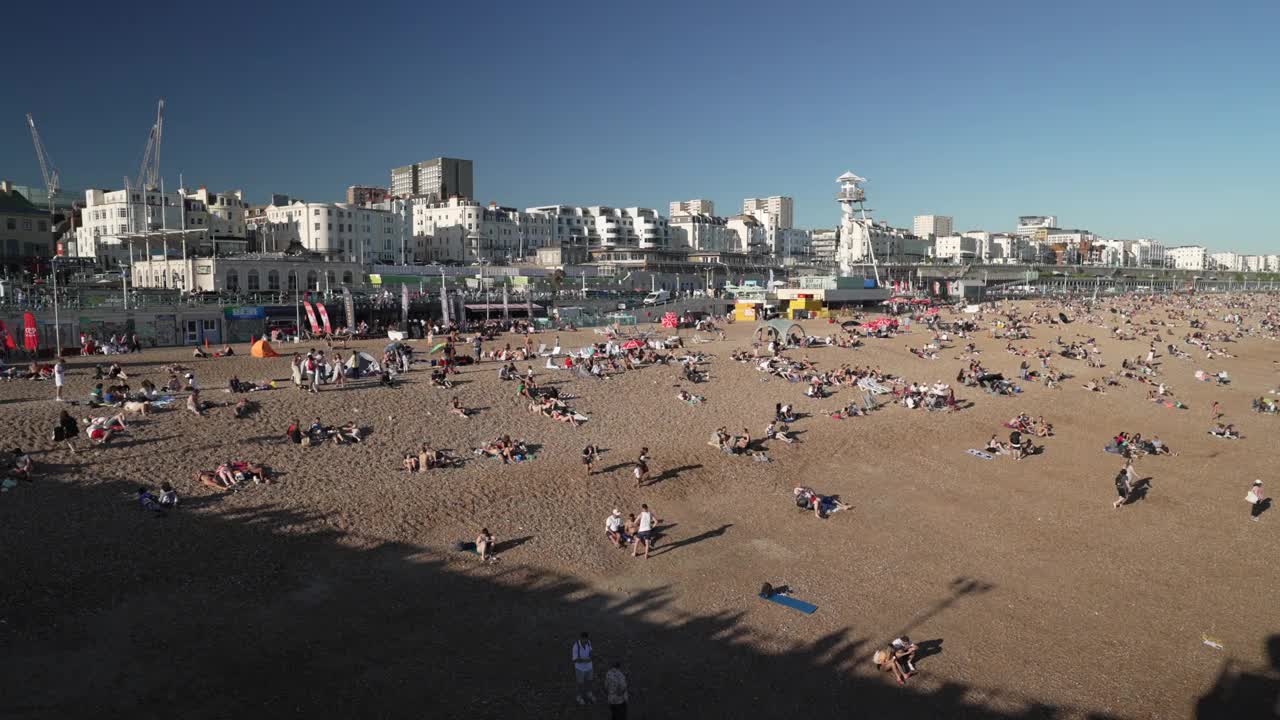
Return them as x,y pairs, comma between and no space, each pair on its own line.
263,349
784,331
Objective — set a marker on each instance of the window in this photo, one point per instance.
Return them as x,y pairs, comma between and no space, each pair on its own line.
11,224
330,279
293,279
315,211
273,280
252,280
233,280
346,277
317,226
313,280
26,224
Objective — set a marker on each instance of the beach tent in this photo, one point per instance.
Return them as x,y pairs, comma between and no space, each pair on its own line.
784,331
263,349
363,363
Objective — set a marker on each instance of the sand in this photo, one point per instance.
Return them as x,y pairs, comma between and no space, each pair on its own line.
336,590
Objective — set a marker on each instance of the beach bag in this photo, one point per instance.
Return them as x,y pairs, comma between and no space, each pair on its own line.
1251,498
59,434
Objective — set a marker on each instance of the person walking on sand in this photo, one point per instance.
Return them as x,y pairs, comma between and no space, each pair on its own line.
1123,487
615,690
1258,501
1215,413
59,378
339,371
582,669
641,470
589,458
313,369
644,531
484,545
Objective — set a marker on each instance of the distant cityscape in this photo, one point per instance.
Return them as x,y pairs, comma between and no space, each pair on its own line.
427,214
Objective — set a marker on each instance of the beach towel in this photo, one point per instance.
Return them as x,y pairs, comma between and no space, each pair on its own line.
1113,449
794,604
980,454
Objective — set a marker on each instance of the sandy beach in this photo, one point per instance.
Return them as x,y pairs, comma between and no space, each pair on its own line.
337,590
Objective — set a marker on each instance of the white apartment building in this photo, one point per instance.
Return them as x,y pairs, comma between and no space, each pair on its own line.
1228,261
464,231
700,232
780,207
110,214
226,212
955,248
823,245
338,232
692,207
1187,257
746,235
1145,252
1271,263
932,226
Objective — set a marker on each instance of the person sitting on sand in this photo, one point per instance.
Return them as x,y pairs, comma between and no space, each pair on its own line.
783,413
484,545
457,409
995,447
294,433
742,443
22,465
904,652
411,463
241,409
350,432
101,430
148,501
614,529
887,661
194,404
168,496
205,477
199,353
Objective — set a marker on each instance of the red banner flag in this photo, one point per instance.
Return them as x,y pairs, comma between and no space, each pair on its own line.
30,336
311,317
324,318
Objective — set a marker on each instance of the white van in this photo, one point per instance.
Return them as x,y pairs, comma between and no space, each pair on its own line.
657,297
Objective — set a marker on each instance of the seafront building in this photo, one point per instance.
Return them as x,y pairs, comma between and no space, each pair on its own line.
437,180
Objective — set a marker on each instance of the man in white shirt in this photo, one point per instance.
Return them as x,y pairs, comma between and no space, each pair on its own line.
581,656
644,534
613,528
59,378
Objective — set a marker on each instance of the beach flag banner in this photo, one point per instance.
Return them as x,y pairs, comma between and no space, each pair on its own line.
349,306
506,308
324,318
444,304
30,335
404,307
311,316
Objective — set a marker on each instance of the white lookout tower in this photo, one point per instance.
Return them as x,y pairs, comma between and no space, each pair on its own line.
856,243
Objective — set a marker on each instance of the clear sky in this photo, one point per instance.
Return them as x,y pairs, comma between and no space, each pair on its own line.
1130,119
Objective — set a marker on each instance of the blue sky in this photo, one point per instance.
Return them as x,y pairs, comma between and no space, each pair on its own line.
1128,119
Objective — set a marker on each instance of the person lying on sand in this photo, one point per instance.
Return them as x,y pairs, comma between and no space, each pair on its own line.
806,498
773,431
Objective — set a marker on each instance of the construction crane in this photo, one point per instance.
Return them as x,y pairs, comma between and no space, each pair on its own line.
149,171
52,182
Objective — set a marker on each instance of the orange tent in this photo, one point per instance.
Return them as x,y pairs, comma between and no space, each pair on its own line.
263,349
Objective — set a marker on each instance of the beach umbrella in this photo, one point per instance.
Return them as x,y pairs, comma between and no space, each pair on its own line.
392,346
632,345
437,348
